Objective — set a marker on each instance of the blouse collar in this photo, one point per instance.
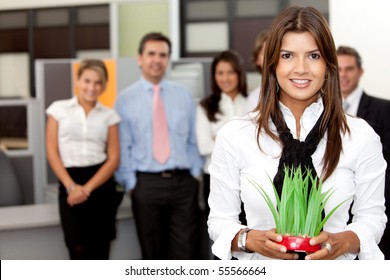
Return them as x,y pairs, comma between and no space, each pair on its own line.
308,119
225,97
74,102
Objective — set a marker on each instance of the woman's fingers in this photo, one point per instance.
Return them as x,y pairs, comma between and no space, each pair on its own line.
321,238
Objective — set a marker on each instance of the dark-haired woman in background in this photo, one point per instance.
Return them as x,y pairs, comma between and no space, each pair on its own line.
227,99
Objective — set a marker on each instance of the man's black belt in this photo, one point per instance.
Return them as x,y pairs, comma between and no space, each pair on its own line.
166,173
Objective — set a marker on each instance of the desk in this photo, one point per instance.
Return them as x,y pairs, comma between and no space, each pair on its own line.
12,143
33,232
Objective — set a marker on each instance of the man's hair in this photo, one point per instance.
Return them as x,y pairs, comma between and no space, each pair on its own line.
154,36
345,50
261,38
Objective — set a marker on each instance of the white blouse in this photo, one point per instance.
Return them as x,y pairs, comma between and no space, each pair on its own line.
360,174
206,131
82,139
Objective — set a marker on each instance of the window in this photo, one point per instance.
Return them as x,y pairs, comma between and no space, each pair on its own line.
61,32
92,28
13,126
211,26
13,31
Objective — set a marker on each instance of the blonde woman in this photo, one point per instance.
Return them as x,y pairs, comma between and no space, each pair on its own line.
82,146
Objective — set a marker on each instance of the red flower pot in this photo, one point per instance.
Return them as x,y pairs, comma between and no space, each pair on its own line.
299,244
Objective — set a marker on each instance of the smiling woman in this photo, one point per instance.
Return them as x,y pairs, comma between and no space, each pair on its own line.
91,83
300,72
299,121
83,150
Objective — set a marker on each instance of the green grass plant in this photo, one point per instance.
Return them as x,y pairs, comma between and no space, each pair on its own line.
298,212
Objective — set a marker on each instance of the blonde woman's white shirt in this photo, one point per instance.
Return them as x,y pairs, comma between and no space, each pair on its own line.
360,174
82,139
206,131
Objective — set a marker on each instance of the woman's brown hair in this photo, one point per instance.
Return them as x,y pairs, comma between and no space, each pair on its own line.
299,20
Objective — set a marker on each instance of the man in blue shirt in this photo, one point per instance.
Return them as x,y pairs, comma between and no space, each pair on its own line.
163,190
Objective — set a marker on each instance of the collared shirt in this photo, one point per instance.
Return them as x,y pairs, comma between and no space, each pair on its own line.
237,159
353,101
206,130
82,139
134,105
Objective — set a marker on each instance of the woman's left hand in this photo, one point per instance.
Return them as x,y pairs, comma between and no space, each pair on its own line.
334,245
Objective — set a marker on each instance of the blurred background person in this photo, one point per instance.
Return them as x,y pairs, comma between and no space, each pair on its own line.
159,156
227,99
257,59
375,111
82,146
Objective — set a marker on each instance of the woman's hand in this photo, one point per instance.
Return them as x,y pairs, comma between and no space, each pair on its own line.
339,244
265,243
77,195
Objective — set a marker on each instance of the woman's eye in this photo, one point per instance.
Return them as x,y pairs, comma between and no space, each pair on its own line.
315,56
286,55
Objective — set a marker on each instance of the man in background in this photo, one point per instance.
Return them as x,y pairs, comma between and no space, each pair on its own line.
374,110
257,59
159,156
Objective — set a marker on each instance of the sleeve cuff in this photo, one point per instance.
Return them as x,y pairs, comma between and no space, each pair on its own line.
222,246
196,172
369,250
129,185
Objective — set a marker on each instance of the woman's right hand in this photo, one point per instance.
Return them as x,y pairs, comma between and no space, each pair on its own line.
265,243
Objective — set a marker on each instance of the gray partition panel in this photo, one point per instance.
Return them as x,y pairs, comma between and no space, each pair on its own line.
58,82
23,166
207,76
57,85
128,72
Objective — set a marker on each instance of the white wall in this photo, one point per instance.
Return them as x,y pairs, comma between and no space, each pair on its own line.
365,25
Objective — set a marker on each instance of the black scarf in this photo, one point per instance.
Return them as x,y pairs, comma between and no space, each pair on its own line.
296,153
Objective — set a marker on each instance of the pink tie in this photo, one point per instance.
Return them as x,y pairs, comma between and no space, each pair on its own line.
161,148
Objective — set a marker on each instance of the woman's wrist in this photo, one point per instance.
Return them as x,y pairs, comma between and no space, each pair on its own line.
71,187
242,240
351,242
